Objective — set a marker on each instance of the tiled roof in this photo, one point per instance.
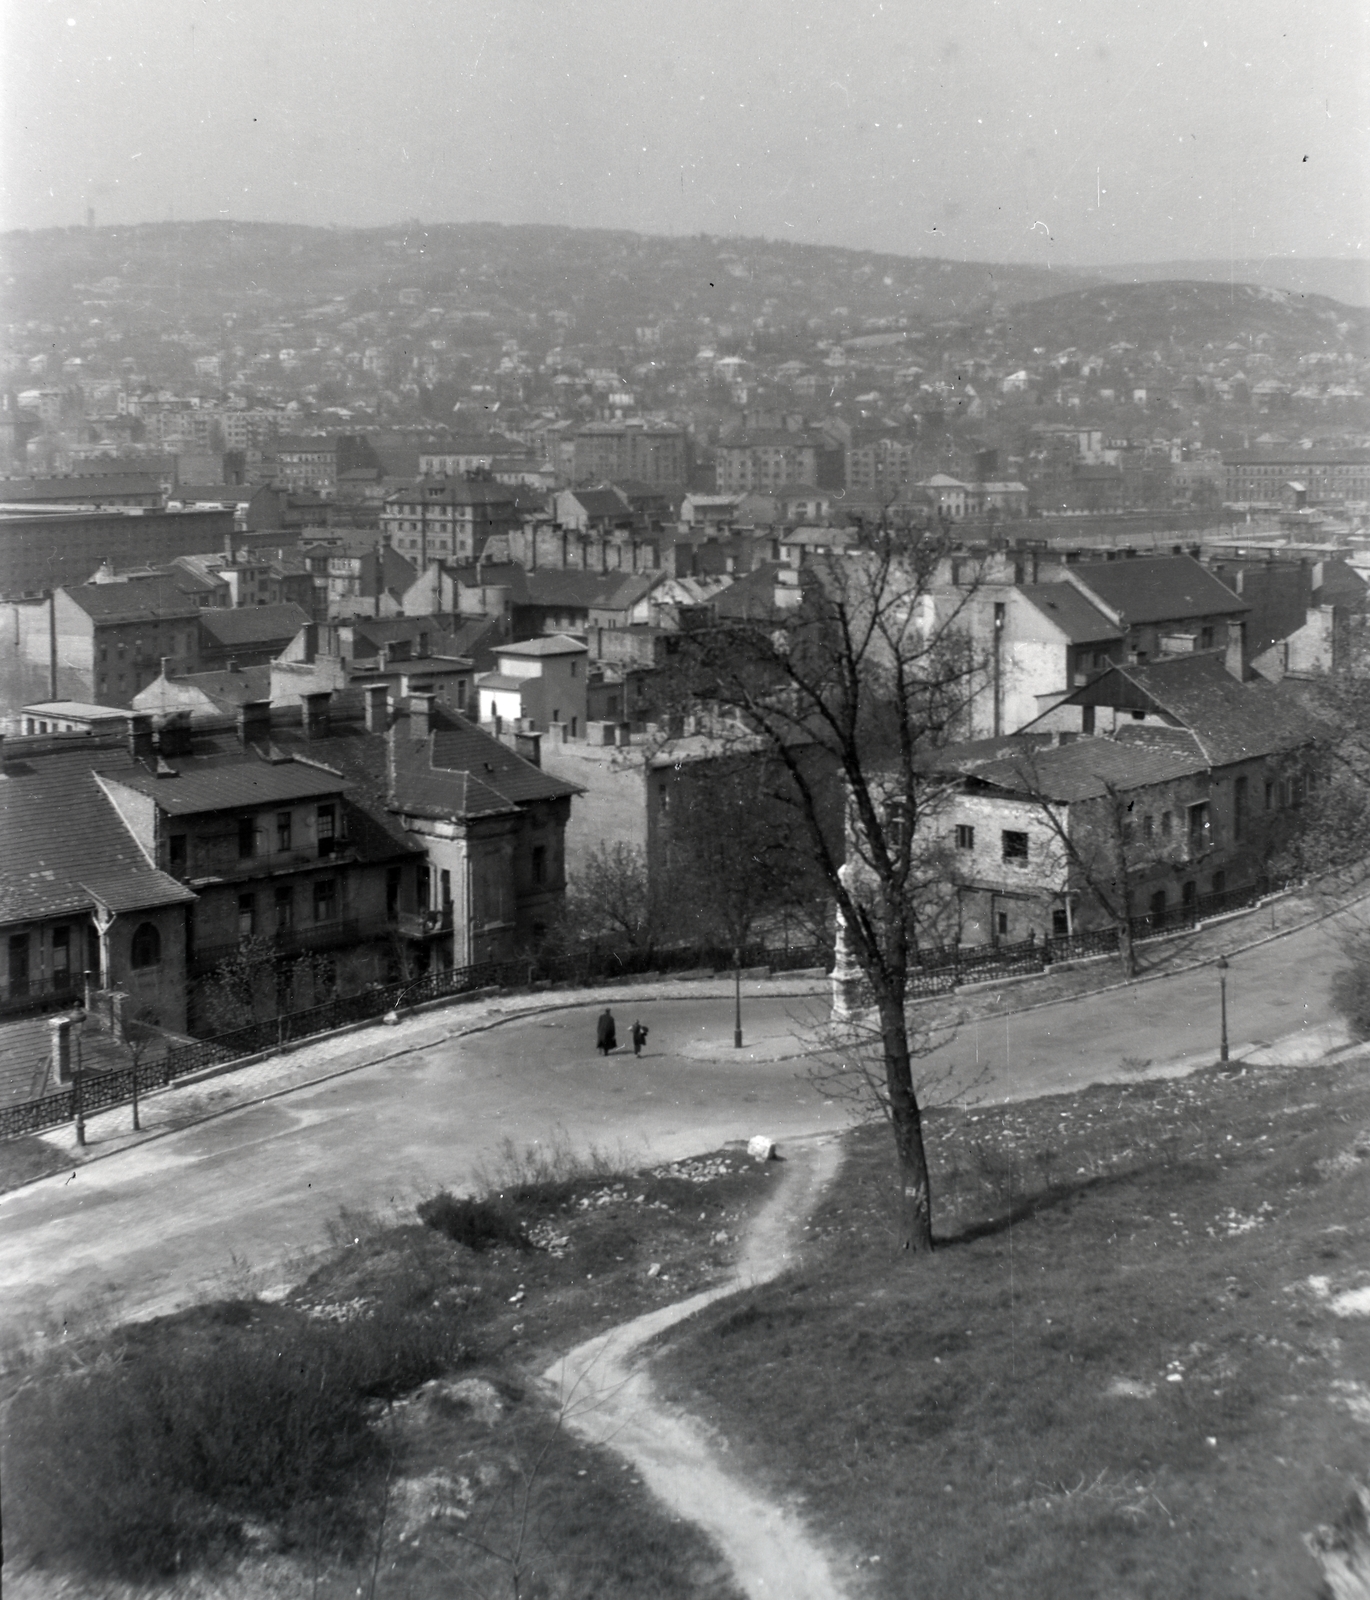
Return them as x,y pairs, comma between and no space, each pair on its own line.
1083,769
601,503
1232,721
1077,617
461,771
609,591
216,783
228,689
1157,588
554,644
253,625
61,839
502,680
139,600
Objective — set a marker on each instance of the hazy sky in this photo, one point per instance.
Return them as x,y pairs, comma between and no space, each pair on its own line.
1078,131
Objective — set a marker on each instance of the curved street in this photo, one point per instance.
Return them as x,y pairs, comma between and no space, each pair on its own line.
250,1193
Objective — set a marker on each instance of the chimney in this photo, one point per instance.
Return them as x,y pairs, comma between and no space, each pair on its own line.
233,664
309,639
254,721
377,707
166,665
140,737
173,738
421,713
314,714
1235,659
529,746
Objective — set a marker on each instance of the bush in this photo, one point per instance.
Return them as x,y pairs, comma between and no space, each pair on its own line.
151,1459
1351,991
478,1224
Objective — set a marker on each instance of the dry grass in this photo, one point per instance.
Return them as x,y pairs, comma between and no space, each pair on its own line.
1120,1374
378,1432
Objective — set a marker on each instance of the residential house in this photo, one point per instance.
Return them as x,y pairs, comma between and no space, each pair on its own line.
81,905
448,519
492,825
575,602
539,684
1195,778
248,635
109,639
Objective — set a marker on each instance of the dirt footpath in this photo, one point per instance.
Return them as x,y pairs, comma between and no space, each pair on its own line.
608,1398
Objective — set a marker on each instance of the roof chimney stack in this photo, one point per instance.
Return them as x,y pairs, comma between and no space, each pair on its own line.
254,722
421,713
314,715
140,736
377,707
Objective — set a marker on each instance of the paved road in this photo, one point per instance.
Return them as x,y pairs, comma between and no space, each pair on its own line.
151,1226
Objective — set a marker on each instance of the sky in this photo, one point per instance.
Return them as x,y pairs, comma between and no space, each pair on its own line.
1080,132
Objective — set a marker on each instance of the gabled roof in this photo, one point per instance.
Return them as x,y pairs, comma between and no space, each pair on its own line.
229,689
460,771
601,503
61,840
1071,611
1157,588
253,625
555,644
607,591
1232,721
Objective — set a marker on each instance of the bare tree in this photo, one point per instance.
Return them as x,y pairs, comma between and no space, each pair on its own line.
613,900
869,663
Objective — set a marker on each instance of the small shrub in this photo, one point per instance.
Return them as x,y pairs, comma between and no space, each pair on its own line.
1351,993
150,1459
478,1224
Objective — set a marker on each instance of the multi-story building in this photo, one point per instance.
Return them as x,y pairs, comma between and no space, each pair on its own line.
1260,478
539,683
109,640
43,550
764,462
447,519
307,463
881,466
653,454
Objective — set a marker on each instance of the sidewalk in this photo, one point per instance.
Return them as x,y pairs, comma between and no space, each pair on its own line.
221,1089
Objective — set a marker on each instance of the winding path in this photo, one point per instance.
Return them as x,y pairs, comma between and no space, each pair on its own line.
607,1398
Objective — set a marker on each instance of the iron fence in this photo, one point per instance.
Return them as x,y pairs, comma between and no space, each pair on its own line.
932,971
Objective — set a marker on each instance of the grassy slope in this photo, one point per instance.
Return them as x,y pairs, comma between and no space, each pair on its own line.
953,1422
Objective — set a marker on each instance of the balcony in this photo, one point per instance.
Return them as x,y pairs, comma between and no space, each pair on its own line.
289,942
424,924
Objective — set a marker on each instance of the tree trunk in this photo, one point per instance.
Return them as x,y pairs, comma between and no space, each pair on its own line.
915,1194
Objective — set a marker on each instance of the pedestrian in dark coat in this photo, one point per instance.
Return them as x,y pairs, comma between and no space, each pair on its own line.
606,1039
639,1037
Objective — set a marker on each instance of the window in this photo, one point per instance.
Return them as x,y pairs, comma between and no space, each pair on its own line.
1148,828
965,836
178,856
1060,923
1001,924
283,830
539,864
1015,847
1167,824
285,909
1205,638
325,899
445,884
61,958
1219,882
146,949
18,965
1239,788
1087,719
1269,796
574,665
392,894
663,797
247,915
327,824
246,836
1198,826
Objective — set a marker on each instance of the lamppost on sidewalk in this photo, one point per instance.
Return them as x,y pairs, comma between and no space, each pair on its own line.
78,1028
737,997
1222,1001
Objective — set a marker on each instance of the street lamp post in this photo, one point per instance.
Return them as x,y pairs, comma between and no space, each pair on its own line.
78,1027
737,997
1222,1001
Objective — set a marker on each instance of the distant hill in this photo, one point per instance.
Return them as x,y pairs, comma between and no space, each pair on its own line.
1169,317
608,280
1329,276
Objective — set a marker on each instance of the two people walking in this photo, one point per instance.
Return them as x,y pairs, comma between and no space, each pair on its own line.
606,1034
